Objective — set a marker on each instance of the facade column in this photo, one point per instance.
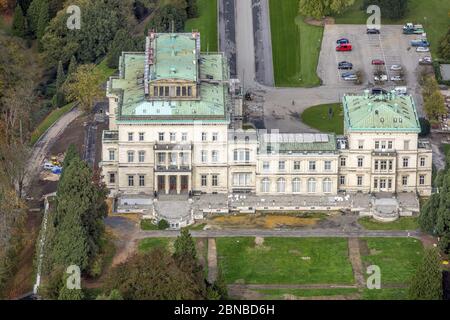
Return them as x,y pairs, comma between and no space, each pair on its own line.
178,183
166,184
155,182
190,182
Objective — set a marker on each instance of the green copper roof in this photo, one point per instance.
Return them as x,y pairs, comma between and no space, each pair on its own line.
212,102
297,142
175,57
380,113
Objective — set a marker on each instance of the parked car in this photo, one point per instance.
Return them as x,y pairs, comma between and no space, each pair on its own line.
425,60
377,62
351,77
378,91
401,90
396,67
344,47
420,43
381,77
345,65
342,41
423,49
396,78
48,166
373,31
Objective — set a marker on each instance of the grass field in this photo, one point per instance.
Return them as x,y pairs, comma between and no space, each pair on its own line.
206,23
446,148
317,117
285,260
53,116
433,14
147,224
295,46
276,294
404,223
397,258
151,243
385,294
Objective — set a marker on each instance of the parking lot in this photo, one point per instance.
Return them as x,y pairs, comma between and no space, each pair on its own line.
391,46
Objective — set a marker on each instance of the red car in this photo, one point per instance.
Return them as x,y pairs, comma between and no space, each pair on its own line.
377,62
344,47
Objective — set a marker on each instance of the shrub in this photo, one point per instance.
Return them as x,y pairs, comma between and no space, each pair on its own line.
163,224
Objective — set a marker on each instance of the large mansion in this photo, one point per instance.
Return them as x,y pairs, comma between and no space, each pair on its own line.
175,126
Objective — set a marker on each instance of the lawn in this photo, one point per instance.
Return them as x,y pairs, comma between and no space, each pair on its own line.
385,294
147,224
397,258
277,294
285,260
206,23
295,46
433,14
148,244
53,116
317,117
446,148
403,223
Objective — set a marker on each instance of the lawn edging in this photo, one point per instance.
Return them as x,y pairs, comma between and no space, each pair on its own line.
49,121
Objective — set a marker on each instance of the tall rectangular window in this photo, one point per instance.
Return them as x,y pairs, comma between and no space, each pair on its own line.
296,165
215,136
266,165
172,136
422,162
359,181
405,180
112,178
312,166
141,156
112,155
281,165
130,156
204,136
131,181
360,144
161,136
215,180
204,156
343,162
214,156
342,180
327,165
360,162
421,180
130,136
405,162
142,181
184,136
141,136
204,180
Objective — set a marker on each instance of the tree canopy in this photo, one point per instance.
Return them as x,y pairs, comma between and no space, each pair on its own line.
426,283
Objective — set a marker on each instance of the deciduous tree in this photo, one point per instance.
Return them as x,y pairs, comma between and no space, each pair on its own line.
83,86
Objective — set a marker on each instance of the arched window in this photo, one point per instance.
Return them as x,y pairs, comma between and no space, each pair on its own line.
296,185
311,185
265,185
326,185
281,185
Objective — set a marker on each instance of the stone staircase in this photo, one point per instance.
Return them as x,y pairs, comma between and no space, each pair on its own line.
176,209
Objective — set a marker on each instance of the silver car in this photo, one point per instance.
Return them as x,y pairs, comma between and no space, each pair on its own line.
423,49
396,67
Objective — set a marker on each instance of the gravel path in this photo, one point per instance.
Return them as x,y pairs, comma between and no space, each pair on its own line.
43,145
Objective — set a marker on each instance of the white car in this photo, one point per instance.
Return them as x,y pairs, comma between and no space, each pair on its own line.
396,67
382,77
351,77
425,60
396,78
423,49
48,166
